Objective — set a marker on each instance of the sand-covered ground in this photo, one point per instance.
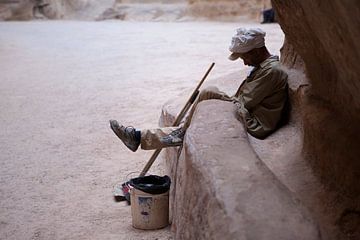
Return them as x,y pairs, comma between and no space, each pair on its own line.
60,83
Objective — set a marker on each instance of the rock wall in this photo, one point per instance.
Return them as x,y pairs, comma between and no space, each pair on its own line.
227,9
322,41
185,10
142,10
52,9
16,10
325,35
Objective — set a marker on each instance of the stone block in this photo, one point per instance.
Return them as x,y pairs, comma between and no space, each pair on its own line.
222,190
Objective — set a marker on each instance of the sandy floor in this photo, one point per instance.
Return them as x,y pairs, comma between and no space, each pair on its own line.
60,83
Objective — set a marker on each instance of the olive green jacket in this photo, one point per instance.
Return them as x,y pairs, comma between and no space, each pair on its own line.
262,98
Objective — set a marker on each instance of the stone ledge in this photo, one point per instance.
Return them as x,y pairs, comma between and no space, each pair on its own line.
222,190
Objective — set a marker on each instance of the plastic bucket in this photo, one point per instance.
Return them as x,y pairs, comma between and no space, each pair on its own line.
150,202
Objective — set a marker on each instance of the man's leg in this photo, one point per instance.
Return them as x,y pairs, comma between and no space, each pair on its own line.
163,137
148,138
176,137
128,135
156,138
206,94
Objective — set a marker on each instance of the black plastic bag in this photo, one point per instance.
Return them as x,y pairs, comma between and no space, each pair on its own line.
151,184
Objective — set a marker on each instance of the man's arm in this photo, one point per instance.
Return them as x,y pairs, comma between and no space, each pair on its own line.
252,93
259,88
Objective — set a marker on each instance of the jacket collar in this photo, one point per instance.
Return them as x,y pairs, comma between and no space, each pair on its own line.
270,59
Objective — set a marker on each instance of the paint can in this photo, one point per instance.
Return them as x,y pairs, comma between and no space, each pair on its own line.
150,202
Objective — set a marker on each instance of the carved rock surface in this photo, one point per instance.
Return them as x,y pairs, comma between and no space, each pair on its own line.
222,190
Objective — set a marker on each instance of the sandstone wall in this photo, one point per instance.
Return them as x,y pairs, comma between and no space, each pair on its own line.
325,35
215,9
52,9
322,41
16,10
133,9
186,10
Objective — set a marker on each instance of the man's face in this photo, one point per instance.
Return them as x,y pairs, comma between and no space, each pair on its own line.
249,58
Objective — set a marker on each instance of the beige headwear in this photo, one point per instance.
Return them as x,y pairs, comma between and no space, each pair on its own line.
245,40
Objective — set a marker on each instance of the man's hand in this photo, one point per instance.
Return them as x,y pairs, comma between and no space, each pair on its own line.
241,113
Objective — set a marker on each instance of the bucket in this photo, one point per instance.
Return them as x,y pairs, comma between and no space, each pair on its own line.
149,197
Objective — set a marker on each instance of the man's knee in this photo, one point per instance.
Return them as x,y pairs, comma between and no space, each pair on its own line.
208,93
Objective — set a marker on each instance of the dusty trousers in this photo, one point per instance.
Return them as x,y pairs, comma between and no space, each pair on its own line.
151,138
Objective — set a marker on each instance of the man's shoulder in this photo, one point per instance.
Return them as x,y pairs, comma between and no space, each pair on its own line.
269,63
272,68
272,60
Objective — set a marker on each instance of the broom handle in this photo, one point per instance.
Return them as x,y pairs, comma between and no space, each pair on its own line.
192,98
178,119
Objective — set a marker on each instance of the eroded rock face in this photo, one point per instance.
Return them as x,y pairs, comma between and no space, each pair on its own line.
143,10
222,9
16,10
185,10
326,36
52,9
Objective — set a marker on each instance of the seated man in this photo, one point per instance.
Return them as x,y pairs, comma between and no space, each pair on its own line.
260,100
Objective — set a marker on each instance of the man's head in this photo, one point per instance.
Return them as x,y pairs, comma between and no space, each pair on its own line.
249,45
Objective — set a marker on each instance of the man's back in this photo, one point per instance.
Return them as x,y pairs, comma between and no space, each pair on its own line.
264,95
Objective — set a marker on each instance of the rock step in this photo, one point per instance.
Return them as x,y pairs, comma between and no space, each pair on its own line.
222,190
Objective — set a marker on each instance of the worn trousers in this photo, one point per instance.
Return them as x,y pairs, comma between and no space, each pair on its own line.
151,138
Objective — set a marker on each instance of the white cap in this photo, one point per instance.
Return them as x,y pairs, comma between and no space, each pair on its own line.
245,40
